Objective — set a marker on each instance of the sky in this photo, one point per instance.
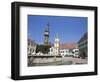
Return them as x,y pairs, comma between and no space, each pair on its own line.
69,29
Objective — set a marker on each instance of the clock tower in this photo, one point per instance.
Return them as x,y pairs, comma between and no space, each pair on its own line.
46,35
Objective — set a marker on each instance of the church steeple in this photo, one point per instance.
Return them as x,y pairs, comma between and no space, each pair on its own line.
56,41
57,45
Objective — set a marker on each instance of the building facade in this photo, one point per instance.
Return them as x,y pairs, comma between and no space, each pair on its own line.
52,51
31,49
69,49
82,45
64,52
76,52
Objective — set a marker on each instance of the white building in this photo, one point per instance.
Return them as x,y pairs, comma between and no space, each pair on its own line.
69,49
51,52
76,52
31,49
64,52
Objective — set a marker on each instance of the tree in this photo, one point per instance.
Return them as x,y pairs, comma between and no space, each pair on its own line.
83,53
43,48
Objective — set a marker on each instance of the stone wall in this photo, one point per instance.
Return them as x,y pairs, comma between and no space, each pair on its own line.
44,60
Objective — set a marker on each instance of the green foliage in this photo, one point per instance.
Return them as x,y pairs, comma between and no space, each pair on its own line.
42,48
83,53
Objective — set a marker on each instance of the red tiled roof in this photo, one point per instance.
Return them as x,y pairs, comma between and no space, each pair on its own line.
68,46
